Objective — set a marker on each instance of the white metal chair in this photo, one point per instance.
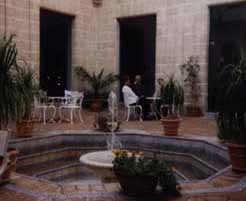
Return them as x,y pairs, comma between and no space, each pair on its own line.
131,109
4,140
73,102
42,106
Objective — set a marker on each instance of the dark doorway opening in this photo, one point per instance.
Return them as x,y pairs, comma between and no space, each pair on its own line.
55,52
137,50
227,37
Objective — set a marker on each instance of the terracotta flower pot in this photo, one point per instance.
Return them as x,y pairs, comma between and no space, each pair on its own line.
24,128
136,185
96,105
238,157
13,154
171,126
12,164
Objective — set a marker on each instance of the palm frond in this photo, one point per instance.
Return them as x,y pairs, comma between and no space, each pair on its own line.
98,82
8,90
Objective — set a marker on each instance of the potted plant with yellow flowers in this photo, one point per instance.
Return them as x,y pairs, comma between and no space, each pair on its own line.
139,176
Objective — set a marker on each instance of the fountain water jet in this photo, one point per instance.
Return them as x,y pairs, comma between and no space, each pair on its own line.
101,161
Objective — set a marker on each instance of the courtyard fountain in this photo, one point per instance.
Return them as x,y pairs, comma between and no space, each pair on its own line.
101,162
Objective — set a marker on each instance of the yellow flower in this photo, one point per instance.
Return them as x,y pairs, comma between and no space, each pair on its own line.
119,152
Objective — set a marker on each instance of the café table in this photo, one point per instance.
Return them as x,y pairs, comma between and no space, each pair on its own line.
57,101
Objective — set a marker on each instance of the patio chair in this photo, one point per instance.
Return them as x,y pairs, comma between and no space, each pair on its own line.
42,106
131,109
4,139
72,103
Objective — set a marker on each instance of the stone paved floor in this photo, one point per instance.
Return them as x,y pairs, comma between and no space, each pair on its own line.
201,128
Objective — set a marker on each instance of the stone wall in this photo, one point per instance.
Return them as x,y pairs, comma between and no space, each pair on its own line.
182,31
21,17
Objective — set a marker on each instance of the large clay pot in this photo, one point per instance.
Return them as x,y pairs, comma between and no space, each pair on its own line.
11,166
238,157
136,185
24,128
96,105
170,126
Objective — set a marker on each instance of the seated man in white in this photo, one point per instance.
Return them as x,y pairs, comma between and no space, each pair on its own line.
130,99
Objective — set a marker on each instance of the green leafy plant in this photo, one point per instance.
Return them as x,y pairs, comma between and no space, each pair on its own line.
98,82
190,70
173,96
231,102
134,164
8,85
27,89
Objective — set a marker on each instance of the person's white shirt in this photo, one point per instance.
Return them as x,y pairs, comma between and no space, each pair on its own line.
129,96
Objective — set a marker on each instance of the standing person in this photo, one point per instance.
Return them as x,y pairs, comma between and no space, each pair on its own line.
157,103
139,91
161,85
161,104
138,87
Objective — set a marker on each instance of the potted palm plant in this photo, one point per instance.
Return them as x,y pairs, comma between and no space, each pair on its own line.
25,100
173,99
8,84
231,104
190,70
8,92
99,83
139,176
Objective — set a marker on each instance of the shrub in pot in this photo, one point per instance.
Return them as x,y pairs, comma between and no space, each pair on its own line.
98,83
8,83
8,93
190,70
173,99
231,104
25,100
139,176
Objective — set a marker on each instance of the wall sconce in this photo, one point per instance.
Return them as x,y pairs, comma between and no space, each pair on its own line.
97,3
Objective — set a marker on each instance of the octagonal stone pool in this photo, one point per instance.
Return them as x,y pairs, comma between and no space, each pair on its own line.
56,157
